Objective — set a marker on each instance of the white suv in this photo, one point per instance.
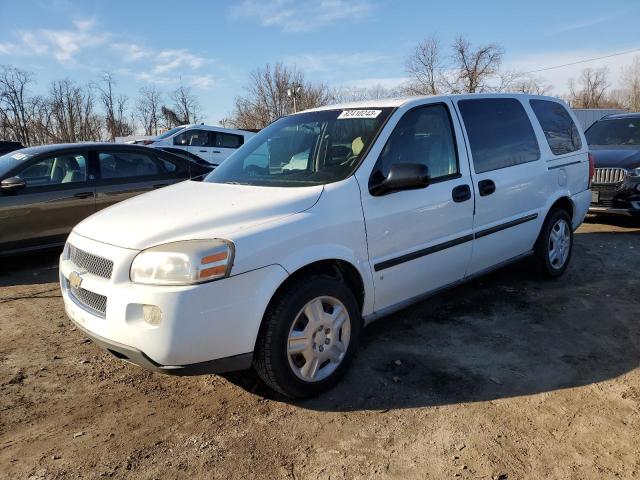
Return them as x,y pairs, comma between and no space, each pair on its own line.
211,144
321,223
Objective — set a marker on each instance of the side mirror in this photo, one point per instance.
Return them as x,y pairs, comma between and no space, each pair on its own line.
12,184
402,176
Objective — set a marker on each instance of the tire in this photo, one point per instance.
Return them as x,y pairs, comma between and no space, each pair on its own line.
554,246
300,326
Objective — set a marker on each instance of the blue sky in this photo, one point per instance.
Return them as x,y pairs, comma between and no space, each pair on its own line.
213,45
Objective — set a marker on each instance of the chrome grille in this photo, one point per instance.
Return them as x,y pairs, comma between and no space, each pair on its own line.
91,263
94,302
607,176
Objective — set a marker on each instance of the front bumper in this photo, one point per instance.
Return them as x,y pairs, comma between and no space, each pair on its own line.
206,328
135,356
620,199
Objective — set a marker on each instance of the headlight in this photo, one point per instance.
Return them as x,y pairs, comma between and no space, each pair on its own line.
635,172
183,263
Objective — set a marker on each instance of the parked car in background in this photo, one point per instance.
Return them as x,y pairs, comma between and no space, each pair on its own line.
46,190
273,259
614,141
212,144
7,146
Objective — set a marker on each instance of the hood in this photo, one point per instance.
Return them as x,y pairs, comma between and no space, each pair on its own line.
193,210
614,156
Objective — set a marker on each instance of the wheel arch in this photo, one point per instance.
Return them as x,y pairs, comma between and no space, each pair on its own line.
332,267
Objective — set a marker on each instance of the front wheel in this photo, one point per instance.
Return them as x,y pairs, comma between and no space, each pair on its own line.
555,244
308,338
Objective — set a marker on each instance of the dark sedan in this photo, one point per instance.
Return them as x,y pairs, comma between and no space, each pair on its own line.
7,146
614,141
45,191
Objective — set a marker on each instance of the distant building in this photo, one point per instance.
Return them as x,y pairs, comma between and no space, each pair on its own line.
588,116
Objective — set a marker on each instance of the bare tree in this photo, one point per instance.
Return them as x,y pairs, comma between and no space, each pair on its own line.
474,68
72,117
15,104
148,109
115,107
630,83
425,66
511,81
186,105
355,94
268,96
589,91
467,69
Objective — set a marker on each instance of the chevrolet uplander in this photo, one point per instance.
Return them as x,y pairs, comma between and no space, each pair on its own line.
321,223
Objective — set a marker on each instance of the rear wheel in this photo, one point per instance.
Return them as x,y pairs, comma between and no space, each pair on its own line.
308,338
555,244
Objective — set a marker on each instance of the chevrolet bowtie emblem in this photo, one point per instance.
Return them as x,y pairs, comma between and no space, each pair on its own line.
75,280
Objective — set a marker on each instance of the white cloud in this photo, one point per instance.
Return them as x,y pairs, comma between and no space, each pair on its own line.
311,63
374,82
63,44
585,23
202,81
302,15
558,78
172,59
131,52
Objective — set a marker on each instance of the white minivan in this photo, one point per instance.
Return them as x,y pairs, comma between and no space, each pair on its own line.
211,144
321,223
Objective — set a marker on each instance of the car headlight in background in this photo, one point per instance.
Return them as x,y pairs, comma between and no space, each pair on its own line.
183,263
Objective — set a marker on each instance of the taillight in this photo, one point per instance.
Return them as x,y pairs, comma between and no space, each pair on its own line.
148,142
592,168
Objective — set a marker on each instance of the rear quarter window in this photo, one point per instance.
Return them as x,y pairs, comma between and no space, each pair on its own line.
500,133
559,129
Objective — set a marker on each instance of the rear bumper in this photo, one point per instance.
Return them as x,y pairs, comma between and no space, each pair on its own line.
137,357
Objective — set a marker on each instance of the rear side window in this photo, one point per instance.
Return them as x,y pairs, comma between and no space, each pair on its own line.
119,164
228,140
500,133
562,134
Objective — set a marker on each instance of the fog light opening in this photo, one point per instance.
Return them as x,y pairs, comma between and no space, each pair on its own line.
152,315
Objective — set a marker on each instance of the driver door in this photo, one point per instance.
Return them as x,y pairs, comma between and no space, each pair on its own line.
420,240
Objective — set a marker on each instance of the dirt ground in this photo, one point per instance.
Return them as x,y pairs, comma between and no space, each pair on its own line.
506,377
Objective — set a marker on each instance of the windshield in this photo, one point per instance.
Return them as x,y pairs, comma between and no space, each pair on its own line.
614,132
168,133
12,159
311,148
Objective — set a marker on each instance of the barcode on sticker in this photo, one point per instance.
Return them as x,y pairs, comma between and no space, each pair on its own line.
359,114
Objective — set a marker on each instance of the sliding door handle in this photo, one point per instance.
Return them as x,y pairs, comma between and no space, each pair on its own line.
486,187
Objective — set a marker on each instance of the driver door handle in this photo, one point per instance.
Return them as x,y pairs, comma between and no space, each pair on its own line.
216,151
202,151
486,187
461,193
83,194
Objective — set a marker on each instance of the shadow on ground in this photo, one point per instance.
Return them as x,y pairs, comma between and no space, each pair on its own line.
30,269
504,335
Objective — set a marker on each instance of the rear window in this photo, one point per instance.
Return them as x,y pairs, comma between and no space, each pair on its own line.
500,133
168,133
562,134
